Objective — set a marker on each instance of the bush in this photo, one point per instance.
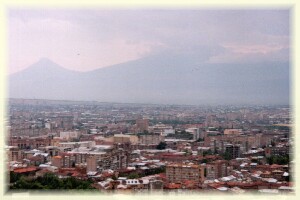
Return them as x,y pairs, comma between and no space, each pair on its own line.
51,181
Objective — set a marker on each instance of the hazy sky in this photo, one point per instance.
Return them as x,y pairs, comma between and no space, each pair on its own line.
83,40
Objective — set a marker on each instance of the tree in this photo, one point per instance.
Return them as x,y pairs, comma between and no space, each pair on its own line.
155,171
272,143
280,160
208,152
133,176
227,156
22,183
51,181
14,177
186,152
114,177
37,185
161,146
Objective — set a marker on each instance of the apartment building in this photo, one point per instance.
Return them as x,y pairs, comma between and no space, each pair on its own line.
149,139
233,151
216,169
142,125
103,156
177,173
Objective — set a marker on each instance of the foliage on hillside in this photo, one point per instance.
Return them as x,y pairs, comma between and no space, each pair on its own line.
48,181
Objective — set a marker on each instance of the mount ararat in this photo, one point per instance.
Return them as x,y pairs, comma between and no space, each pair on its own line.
166,79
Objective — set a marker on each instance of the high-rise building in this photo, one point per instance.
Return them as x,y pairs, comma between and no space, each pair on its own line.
67,135
216,169
91,164
195,132
65,122
14,153
232,131
142,125
57,161
149,139
122,138
98,158
177,173
233,150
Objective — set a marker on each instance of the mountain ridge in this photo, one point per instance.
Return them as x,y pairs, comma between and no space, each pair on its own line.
157,79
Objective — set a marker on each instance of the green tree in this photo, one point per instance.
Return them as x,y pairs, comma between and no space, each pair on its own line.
208,152
37,185
161,146
272,143
22,183
51,181
227,156
133,176
14,177
114,177
280,160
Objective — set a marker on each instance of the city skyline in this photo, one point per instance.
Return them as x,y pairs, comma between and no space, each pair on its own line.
149,148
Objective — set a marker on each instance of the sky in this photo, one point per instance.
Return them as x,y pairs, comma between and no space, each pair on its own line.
87,39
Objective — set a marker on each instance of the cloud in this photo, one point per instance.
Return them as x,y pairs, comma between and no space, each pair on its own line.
252,49
251,54
256,47
69,44
107,37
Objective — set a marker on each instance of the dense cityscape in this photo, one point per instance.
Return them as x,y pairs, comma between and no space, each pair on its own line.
134,148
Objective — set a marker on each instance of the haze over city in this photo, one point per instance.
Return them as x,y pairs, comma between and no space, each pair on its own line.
150,56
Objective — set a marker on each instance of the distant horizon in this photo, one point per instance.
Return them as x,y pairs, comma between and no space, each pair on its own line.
159,104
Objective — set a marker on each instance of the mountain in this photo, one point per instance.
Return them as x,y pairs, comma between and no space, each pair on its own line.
164,78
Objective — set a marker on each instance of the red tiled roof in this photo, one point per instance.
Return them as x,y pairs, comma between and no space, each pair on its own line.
25,170
75,174
216,185
57,157
275,166
162,175
67,169
173,186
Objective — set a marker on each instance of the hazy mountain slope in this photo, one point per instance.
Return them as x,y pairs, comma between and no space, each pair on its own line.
181,79
44,79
